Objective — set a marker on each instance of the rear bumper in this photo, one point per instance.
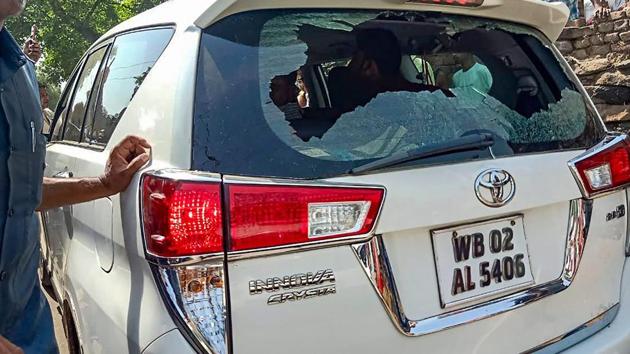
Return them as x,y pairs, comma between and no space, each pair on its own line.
614,338
608,333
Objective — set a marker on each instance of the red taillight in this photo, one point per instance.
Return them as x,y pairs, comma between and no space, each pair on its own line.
471,3
184,218
263,216
607,168
181,218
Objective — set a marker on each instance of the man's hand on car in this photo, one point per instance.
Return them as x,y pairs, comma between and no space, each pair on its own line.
124,161
7,347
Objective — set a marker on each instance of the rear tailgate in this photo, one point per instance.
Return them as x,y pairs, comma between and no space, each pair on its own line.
484,242
354,319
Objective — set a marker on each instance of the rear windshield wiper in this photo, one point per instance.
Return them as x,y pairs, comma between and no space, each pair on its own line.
465,143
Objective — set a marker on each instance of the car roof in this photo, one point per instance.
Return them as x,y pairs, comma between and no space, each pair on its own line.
549,18
181,13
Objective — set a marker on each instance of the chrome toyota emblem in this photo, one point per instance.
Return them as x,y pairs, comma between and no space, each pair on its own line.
495,188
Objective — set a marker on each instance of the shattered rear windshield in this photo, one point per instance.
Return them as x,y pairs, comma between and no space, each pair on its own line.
314,94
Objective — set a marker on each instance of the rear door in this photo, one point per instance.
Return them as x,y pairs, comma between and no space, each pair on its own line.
483,226
61,162
54,225
122,65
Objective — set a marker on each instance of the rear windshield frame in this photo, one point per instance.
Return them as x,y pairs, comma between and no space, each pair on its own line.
242,161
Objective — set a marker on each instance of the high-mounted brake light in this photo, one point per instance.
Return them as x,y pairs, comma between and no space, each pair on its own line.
263,216
181,218
470,3
605,167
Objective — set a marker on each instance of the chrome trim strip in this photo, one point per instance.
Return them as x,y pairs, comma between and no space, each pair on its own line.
373,257
230,179
183,261
608,142
577,335
182,175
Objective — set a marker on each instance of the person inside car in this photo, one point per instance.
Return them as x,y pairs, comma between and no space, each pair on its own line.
303,97
472,74
442,78
374,69
345,95
284,93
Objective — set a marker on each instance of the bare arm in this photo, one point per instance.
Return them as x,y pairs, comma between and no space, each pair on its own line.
124,161
7,347
61,191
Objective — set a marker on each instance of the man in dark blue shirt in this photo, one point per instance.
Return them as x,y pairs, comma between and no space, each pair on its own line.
25,319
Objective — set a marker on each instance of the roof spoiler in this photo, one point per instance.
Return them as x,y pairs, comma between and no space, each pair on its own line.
549,18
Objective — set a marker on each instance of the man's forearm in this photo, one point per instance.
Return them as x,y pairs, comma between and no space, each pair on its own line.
125,159
58,192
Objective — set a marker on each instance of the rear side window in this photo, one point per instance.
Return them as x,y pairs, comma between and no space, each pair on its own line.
131,58
83,90
313,94
62,109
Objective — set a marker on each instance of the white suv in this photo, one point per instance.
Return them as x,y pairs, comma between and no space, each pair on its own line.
380,176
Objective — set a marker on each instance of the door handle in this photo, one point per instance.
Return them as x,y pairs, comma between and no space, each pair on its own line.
67,209
64,174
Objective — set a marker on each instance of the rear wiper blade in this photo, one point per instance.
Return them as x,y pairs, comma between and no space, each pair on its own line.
466,143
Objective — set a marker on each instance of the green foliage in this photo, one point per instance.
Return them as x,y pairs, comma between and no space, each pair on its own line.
68,27
54,92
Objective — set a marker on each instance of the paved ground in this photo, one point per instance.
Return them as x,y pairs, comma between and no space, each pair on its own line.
61,338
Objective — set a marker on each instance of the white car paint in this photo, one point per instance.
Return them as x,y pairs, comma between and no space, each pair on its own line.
615,338
596,288
549,18
98,261
109,306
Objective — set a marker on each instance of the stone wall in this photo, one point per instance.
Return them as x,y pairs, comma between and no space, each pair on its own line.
600,56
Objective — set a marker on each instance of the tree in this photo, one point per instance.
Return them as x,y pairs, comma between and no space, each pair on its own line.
68,27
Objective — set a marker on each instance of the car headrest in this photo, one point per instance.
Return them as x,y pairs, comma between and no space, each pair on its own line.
528,85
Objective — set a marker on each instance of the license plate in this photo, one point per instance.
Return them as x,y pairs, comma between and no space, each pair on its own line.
483,260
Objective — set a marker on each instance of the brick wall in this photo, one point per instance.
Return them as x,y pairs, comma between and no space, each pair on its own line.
600,56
